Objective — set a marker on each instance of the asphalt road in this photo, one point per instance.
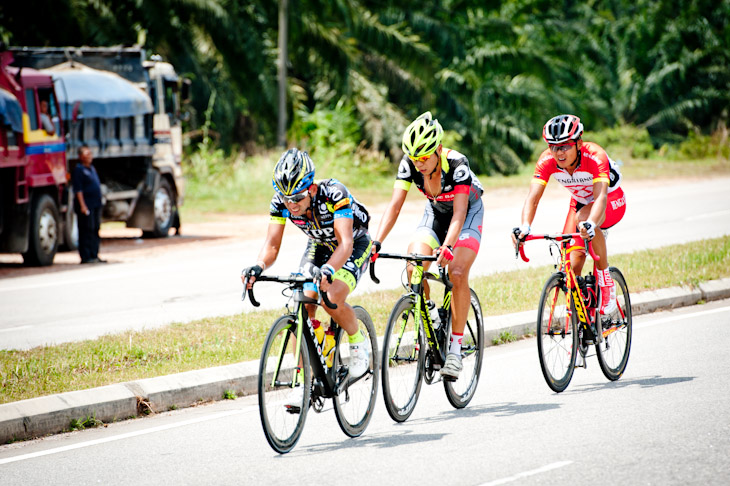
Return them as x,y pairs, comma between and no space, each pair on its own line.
665,422
183,283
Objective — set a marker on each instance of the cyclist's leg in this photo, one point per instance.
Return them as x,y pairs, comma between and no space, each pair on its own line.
465,253
314,255
344,282
428,236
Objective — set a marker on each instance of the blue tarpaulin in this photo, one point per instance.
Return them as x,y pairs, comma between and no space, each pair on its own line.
10,111
102,94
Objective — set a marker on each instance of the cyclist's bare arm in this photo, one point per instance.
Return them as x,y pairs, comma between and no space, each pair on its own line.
598,209
461,206
391,213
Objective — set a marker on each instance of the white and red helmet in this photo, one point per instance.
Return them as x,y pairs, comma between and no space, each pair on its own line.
562,128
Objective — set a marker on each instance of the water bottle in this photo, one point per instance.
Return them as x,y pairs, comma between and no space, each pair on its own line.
329,346
591,290
318,330
433,311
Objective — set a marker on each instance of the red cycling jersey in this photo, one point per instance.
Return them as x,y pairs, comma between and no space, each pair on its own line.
594,166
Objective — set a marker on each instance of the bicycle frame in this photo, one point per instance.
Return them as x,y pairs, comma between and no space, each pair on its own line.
330,383
585,315
416,290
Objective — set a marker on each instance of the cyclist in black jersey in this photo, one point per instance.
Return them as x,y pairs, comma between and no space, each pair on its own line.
451,226
338,246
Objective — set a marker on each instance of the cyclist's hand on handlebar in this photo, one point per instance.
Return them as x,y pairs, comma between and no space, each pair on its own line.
375,250
520,232
249,275
445,254
587,229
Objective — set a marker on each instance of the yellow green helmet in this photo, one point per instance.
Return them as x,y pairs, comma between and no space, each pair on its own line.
423,136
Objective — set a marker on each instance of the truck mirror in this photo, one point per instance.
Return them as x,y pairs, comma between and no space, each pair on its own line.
185,89
76,111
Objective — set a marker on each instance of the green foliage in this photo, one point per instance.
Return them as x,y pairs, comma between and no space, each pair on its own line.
358,72
698,146
623,141
504,338
229,395
87,422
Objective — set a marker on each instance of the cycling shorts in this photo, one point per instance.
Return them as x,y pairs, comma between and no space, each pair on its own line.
434,225
615,210
317,254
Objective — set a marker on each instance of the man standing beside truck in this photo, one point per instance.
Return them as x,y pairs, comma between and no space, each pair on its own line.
87,191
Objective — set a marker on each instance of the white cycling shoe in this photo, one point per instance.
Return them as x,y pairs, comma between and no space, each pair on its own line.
359,359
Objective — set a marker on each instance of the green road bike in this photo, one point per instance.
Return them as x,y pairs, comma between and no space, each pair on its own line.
414,350
293,357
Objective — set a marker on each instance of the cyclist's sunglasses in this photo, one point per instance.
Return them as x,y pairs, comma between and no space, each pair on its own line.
563,147
422,158
295,198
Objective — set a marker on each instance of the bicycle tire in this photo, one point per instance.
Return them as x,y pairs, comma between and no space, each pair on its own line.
403,360
461,391
355,403
613,351
282,425
556,346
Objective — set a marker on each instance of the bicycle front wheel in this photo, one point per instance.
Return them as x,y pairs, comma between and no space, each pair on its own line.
461,391
613,350
355,401
284,386
403,360
557,336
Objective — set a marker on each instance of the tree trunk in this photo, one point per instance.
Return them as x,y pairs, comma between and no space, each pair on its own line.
283,54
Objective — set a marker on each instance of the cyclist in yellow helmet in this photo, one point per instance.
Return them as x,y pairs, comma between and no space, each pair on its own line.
451,226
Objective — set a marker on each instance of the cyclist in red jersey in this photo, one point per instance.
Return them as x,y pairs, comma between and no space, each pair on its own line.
597,201
451,226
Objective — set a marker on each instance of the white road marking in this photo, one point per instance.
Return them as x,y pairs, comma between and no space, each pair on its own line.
128,435
18,328
680,317
525,474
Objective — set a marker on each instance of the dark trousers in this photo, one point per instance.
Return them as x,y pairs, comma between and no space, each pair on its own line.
89,234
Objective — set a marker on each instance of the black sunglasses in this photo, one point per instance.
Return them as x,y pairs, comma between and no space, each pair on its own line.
295,198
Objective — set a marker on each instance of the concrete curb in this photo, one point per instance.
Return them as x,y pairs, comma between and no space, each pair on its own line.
53,414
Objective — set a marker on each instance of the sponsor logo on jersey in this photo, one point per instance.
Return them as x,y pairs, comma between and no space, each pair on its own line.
461,173
342,202
404,171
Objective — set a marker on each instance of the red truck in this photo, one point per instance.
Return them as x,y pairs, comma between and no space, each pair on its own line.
135,139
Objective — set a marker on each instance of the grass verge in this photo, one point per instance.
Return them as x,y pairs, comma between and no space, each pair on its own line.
226,340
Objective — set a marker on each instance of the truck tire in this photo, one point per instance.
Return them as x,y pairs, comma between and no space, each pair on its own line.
44,232
70,227
165,208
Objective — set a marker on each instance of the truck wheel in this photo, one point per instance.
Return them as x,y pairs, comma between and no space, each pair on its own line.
70,227
165,210
43,238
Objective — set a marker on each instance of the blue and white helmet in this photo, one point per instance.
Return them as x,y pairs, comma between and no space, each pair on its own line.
293,173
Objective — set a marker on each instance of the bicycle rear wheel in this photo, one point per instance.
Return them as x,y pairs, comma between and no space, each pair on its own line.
283,421
355,403
461,391
613,351
557,336
403,360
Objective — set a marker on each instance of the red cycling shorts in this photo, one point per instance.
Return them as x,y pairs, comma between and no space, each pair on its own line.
615,210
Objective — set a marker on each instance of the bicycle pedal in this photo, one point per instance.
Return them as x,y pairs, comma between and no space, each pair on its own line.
292,409
449,378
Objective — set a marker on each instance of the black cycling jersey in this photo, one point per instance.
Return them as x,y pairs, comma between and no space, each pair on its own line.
332,201
456,178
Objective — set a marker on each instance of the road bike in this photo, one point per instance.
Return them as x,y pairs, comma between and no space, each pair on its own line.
568,318
414,350
293,357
